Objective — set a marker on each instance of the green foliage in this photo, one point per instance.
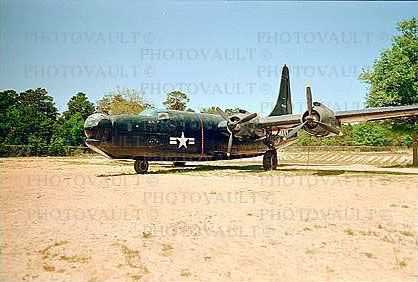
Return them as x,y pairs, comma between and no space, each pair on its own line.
28,116
393,77
209,110
8,101
38,146
393,80
4,151
80,104
371,134
368,134
71,130
30,123
57,147
305,139
176,100
122,101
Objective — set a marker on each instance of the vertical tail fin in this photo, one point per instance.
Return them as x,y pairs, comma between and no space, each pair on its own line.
284,101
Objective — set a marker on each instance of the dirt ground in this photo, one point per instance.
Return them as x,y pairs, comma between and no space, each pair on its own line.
92,219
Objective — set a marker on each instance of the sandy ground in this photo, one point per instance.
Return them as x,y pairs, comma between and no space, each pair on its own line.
91,219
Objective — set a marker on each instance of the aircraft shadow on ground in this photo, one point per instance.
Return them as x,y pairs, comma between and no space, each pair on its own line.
195,168
254,169
251,168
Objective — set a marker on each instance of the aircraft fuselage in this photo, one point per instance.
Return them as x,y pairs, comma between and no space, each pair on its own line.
167,135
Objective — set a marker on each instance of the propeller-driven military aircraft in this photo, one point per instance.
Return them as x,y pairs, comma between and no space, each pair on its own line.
178,136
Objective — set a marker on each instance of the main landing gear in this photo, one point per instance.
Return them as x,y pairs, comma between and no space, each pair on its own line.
270,160
141,166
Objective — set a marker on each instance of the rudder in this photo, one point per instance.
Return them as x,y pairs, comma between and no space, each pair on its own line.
284,101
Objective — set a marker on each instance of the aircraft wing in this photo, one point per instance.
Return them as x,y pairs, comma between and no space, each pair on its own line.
371,114
279,121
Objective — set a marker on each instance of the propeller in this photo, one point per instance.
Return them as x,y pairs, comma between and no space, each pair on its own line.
309,100
311,119
329,128
233,125
295,130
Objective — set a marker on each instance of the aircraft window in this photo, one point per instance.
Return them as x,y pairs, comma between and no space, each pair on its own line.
162,116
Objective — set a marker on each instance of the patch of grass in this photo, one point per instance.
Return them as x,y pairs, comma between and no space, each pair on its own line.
349,231
146,234
79,259
403,264
132,257
369,255
185,273
368,233
48,268
387,239
56,244
407,233
167,250
310,251
329,269
136,277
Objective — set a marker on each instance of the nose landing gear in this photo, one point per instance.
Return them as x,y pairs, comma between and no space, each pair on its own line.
270,160
141,166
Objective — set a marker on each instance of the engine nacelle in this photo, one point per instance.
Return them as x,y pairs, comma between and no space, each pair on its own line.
321,113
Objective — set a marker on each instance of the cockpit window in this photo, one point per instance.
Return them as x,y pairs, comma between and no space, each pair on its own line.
163,116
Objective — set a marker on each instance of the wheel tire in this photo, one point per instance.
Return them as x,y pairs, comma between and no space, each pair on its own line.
179,164
270,160
141,166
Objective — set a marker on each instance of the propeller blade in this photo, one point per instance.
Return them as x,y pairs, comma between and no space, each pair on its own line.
295,130
229,145
247,118
329,128
222,114
309,99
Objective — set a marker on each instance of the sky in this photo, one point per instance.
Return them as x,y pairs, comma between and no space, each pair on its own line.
222,53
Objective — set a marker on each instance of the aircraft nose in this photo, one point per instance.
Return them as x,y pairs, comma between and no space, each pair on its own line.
98,126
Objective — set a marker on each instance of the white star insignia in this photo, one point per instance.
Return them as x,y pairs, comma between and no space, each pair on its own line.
181,141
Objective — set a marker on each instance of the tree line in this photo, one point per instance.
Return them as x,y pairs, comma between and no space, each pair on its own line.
30,120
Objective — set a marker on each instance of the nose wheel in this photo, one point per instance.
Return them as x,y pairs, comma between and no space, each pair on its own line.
270,160
141,166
